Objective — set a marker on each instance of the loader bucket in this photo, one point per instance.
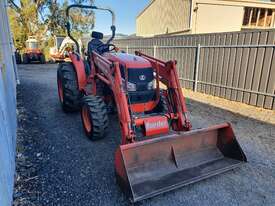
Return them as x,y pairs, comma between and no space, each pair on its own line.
154,166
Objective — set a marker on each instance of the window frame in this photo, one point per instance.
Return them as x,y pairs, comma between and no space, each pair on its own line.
257,12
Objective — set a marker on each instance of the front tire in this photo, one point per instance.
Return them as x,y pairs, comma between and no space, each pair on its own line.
94,117
69,95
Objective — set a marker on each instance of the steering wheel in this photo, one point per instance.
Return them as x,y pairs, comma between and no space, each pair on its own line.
105,48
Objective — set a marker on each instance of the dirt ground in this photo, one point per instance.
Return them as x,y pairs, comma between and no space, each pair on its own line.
58,165
257,113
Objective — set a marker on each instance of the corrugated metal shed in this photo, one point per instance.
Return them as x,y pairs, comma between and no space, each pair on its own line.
8,121
174,17
164,17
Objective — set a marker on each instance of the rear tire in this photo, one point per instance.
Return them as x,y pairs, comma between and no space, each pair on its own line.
25,59
94,117
69,95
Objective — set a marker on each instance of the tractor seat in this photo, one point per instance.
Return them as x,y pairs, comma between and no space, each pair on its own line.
95,42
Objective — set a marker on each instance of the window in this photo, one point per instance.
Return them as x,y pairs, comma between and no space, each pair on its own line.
258,18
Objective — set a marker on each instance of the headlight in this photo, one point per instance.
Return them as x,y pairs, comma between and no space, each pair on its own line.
150,85
131,87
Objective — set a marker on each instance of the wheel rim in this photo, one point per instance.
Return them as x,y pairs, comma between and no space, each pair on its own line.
60,90
86,119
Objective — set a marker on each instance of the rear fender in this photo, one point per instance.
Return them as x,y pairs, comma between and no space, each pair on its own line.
79,67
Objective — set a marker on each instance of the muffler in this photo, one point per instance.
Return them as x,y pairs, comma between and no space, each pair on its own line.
154,166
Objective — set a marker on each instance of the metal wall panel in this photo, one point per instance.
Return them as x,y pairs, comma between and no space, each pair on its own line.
250,67
202,60
269,101
221,57
238,66
258,68
231,66
7,110
266,69
215,65
225,64
244,67
204,66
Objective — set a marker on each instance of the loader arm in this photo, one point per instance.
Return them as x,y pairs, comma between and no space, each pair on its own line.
109,73
166,72
68,24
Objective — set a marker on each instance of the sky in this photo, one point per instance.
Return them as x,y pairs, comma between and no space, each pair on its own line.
126,12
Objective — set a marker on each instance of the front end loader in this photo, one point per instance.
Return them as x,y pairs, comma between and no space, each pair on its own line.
159,151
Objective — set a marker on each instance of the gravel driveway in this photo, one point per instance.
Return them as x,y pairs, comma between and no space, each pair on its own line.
58,165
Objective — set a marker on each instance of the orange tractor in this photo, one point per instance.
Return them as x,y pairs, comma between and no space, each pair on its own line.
159,151
32,52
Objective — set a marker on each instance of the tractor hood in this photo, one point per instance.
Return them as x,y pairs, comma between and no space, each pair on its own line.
128,60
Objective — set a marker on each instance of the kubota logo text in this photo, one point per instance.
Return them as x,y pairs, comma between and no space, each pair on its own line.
155,125
142,77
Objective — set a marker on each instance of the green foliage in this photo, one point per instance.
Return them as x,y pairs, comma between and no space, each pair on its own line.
56,18
47,45
81,20
19,32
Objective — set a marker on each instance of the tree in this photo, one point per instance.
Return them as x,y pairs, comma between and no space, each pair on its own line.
45,18
19,32
82,20
24,21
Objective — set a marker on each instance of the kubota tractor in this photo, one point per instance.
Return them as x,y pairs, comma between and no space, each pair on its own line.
32,52
159,151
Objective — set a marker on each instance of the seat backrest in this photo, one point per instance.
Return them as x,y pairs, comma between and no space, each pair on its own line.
93,44
97,35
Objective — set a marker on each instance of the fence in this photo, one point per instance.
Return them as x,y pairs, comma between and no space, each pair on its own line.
7,110
238,66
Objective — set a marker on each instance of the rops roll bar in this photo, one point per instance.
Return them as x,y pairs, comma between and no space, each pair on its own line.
68,25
